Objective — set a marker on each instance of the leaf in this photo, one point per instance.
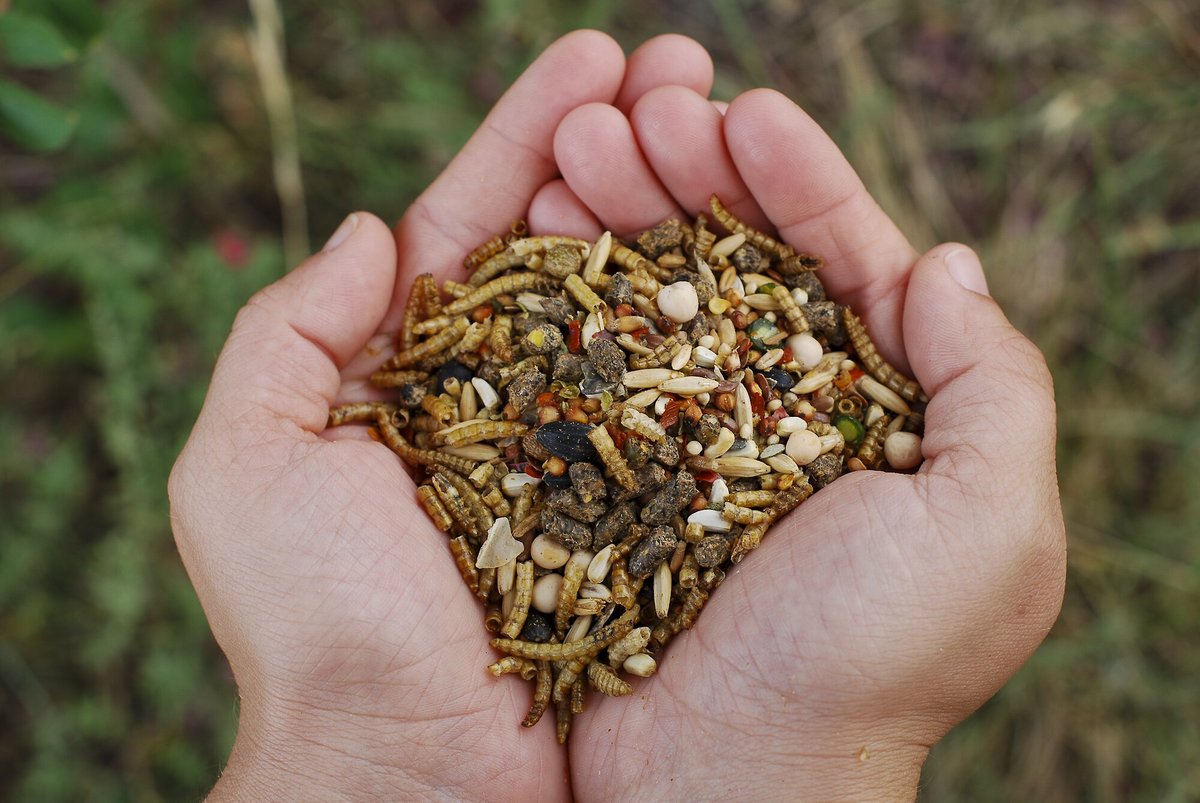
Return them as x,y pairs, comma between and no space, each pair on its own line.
31,121
29,41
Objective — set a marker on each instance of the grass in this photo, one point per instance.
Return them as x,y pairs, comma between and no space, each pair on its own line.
1057,138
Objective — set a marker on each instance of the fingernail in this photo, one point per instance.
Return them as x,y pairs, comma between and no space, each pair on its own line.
348,227
964,267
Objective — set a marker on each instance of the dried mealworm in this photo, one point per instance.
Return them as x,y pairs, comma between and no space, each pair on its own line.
588,647
622,587
496,502
636,421
419,457
870,452
431,300
439,342
431,326
493,266
501,341
744,515
544,242
434,508
479,430
784,502
704,239
439,410
578,695
567,676
797,321
456,506
520,610
662,353
487,581
484,252
631,643
604,680
612,459
481,514
799,263
511,664
492,619
757,238
412,314
585,295
876,365
541,694
512,283
395,379
754,499
689,571
359,413
464,559
471,340
562,723
573,574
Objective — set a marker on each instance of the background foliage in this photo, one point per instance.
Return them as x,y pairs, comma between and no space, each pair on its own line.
140,209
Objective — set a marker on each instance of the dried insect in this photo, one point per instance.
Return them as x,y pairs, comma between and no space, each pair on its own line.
464,559
510,664
361,413
783,503
439,342
481,515
578,695
419,457
604,680
573,574
396,379
479,430
471,340
797,321
493,266
484,252
875,364
744,515
870,452
520,610
541,694
412,313
492,619
663,353
612,459
704,239
584,294
439,410
496,502
689,571
760,240
511,283
432,504
562,717
753,499
642,424
630,644
586,648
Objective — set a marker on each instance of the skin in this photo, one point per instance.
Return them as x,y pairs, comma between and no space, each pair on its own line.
878,615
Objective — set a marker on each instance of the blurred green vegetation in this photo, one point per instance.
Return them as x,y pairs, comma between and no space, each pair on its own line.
1060,139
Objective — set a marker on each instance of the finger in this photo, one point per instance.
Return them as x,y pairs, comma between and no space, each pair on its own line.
991,412
602,164
493,178
681,136
662,61
557,210
280,364
807,188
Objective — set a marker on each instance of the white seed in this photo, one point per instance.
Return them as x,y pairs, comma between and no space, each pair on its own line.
846,365
881,393
704,356
834,440
548,553
804,447
724,441
727,245
771,451
718,492
681,358
747,448
769,359
468,402
530,302
500,546
505,576
662,589
799,295
783,464
649,377
902,450
512,483
579,628
772,439
590,590
643,397
726,280
770,316
596,260
706,341
642,665
773,405
741,467
473,451
488,397
660,404
629,323
815,380
711,520
688,385
743,413
761,302
703,399
790,425
746,432
873,414
591,326
587,607
628,343
694,448
806,351
678,302
597,570
545,592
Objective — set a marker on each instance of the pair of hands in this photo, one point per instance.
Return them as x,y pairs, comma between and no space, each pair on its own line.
877,616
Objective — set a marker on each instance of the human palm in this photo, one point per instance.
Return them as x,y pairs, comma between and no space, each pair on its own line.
876,616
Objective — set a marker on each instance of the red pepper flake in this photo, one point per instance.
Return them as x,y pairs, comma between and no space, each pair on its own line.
533,471
856,374
546,399
787,356
618,435
706,476
573,335
639,333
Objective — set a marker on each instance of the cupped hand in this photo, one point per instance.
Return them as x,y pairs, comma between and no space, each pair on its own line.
358,652
888,606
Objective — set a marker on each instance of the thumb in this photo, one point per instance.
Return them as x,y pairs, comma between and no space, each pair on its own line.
992,397
280,364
